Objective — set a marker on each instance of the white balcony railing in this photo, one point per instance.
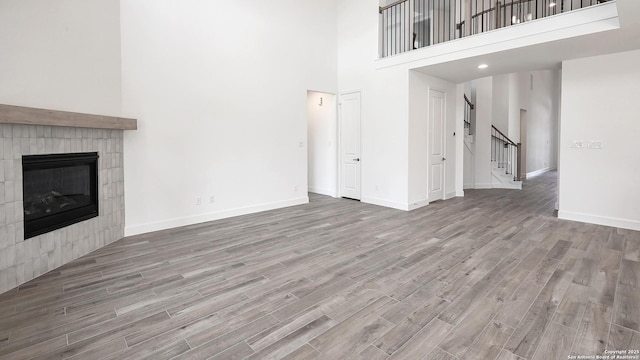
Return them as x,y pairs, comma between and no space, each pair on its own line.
412,24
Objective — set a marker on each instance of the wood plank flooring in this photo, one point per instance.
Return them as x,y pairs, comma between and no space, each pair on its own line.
493,275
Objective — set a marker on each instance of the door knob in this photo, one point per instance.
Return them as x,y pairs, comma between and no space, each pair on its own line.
443,158
356,159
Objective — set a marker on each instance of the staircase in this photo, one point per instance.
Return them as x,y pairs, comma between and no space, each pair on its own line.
501,180
505,161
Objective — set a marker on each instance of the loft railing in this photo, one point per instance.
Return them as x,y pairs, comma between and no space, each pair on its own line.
505,153
412,24
468,106
398,28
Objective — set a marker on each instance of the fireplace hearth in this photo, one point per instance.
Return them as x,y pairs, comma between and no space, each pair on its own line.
58,190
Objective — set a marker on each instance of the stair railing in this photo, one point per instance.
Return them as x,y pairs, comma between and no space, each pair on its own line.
505,153
468,106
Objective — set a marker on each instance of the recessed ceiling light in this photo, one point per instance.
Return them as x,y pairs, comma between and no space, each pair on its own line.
483,66
552,4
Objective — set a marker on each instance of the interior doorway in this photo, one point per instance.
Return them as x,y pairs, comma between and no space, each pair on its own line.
322,163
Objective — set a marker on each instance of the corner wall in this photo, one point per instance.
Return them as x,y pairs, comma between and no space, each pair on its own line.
220,93
599,104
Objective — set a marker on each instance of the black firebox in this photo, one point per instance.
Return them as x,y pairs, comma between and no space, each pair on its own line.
58,190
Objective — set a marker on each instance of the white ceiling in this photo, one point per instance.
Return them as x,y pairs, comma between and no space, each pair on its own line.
547,55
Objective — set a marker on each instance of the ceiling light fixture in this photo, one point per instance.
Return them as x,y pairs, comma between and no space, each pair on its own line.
483,66
552,4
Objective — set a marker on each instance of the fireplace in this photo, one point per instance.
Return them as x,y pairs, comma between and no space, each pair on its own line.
58,190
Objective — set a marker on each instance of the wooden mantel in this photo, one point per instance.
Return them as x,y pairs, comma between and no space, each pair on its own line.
10,114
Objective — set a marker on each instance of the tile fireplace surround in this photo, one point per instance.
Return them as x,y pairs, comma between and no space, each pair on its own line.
28,131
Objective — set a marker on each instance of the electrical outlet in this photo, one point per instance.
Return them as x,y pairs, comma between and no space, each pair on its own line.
212,199
295,188
198,201
377,187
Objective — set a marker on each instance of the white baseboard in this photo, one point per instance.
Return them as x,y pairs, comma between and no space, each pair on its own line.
600,220
216,215
450,195
460,193
538,172
514,185
385,203
418,204
315,190
483,186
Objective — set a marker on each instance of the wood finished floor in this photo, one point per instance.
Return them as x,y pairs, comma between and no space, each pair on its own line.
490,276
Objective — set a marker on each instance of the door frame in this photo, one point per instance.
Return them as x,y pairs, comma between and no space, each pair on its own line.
444,144
339,138
333,192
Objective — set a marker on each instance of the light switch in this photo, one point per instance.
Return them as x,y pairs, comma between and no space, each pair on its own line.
595,145
590,144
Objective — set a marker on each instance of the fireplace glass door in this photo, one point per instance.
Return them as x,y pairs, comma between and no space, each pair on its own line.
58,190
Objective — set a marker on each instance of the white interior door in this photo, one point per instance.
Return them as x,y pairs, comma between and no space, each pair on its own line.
436,145
350,145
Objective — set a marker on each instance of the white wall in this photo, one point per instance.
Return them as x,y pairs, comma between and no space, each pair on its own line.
484,115
515,104
542,105
322,133
500,97
469,140
62,55
456,129
220,91
469,165
599,103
